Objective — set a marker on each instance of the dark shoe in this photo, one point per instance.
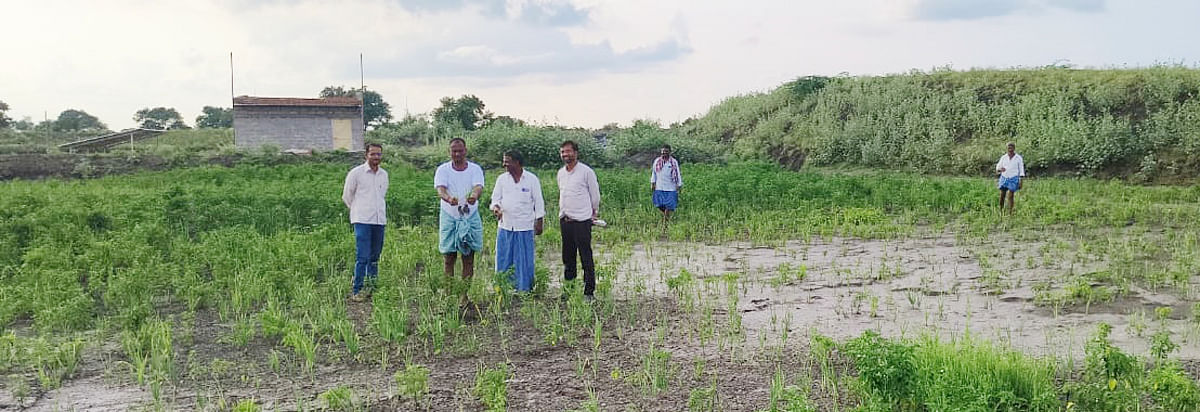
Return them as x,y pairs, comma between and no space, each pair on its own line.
589,298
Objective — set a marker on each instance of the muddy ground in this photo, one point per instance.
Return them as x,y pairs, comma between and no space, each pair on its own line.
925,285
834,287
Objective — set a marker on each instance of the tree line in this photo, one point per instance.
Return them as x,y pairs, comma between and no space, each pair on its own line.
76,120
467,112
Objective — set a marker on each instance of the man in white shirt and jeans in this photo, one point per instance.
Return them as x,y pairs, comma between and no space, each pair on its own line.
579,208
518,205
1011,168
364,192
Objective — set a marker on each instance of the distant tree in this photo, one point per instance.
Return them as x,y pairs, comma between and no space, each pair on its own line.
467,111
4,120
215,118
408,131
610,128
161,118
506,121
376,112
804,86
24,124
74,120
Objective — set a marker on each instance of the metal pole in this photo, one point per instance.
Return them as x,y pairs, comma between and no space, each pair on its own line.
362,104
231,98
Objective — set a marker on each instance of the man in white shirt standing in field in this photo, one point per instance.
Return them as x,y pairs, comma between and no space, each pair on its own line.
1011,168
364,192
518,205
579,207
665,182
460,231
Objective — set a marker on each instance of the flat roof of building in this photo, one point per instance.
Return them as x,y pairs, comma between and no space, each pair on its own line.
296,101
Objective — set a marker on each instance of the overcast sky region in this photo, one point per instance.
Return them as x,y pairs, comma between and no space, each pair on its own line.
572,62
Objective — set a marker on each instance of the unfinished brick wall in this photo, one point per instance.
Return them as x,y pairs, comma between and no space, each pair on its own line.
293,127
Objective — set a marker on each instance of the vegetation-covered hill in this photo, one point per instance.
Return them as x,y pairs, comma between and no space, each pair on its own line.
1139,123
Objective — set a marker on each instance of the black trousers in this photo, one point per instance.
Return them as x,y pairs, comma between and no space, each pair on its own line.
577,238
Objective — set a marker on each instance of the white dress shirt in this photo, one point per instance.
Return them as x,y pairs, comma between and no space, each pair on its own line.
364,193
1012,167
578,193
521,203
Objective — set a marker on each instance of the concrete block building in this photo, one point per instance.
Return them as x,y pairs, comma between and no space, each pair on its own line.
298,124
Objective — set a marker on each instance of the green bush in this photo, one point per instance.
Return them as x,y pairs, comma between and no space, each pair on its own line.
491,386
409,131
1111,379
339,398
486,146
884,366
539,145
961,376
413,381
640,144
1173,389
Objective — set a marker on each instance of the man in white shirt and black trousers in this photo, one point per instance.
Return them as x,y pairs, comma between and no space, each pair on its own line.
1011,168
578,209
518,206
364,192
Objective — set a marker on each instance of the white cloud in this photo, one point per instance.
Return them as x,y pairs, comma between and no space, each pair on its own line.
481,55
583,62
980,9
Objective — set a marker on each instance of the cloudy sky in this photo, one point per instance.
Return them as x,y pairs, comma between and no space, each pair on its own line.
569,62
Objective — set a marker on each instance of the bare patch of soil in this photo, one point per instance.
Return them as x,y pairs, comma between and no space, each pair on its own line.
908,287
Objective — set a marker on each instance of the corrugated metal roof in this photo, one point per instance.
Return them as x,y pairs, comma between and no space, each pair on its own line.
111,139
296,101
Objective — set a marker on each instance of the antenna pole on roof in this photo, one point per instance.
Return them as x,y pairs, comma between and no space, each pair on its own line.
362,93
231,78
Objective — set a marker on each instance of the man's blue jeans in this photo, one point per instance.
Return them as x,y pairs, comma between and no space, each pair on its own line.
368,240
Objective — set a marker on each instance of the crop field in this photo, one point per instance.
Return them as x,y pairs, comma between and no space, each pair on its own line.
217,288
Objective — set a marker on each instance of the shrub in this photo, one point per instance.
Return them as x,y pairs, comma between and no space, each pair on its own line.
413,381
642,142
963,375
491,386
